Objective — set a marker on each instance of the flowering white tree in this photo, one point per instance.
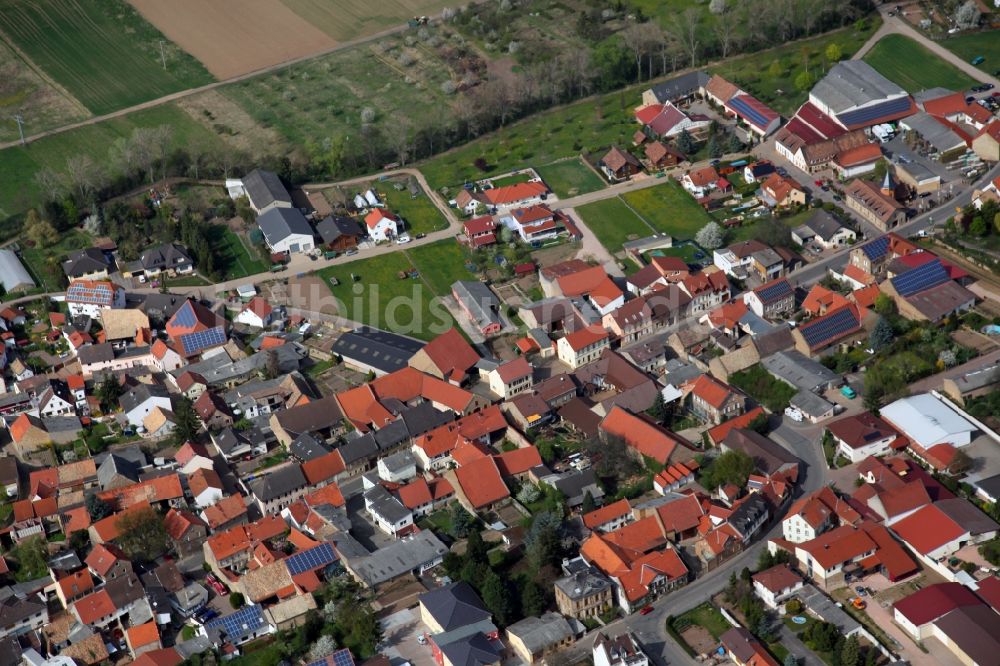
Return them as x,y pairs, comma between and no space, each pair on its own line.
709,236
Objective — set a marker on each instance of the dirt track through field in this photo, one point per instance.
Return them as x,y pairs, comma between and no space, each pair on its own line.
233,37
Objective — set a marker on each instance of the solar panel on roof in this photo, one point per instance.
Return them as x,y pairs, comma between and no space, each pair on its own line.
745,107
342,658
869,115
240,622
212,337
877,248
308,560
918,279
774,291
185,316
830,327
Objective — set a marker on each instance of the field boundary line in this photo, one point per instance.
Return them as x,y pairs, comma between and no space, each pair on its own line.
30,64
638,215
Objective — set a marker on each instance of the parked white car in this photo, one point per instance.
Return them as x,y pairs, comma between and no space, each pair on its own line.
403,240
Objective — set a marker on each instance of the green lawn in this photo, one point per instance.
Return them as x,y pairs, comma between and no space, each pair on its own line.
752,71
18,165
513,179
385,301
568,178
975,44
441,264
904,61
104,52
613,223
707,616
669,208
686,252
763,387
45,264
232,256
187,281
420,213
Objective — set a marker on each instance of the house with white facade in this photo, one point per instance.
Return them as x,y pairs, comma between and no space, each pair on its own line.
861,435
388,512
382,225
257,313
88,297
286,230
776,584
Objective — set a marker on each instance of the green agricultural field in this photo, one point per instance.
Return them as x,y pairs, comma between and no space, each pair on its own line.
441,264
18,190
403,306
347,19
753,71
904,61
104,52
669,209
233,258
419,212
613,223
591,125
973,45
568,178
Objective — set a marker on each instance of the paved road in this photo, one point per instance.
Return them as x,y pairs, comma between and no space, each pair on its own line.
896,25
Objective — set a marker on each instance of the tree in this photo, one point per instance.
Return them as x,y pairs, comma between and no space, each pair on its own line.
804,80
775,70
717,6
187,423
506,235
31,558
322,648
733,144
532,599
685,143
108,393
833,52
714,147
732,467
98,508
497,598
79,540
39,231
588,503
884,305
967,15
710,236
791,660
850,655
476,549
542,543
996,222
236,600
878,173
528,493
272,364
142,534
461,522
978,226
881,335
659,409
960,463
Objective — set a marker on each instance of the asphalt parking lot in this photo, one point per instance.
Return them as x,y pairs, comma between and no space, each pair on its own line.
399,638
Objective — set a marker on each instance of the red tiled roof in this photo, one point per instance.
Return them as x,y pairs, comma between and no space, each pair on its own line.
499,196
933,601
646,114
178,522
584,337
869,152
860,429
373,218
820,299
777,578
259,307
515,369
323,468
162,657
414,494
143,634
481,482
226,509
712,391
607,513
645,437
75,584
518,461
103,556
681,515
719,432
989,591
107,528
928,529
94,606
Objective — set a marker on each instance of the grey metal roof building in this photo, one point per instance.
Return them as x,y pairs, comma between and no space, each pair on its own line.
264,189
84,262
13,274
679,87
481,304
305,447
941,138
166,257
802,372
454,606
851,84
278,483
334,226
382,351
415,553
539,633
278,224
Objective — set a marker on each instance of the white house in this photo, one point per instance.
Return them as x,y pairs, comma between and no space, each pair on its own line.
388,512
622,650
398,467
206,487
88,297
53,402
382,225
862,435
141,400
286,230
511,378
776,584
257,313
582,346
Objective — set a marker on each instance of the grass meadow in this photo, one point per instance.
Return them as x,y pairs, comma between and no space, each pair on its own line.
669,209
441,264
570,177
613,223
904,61
104,53
975,44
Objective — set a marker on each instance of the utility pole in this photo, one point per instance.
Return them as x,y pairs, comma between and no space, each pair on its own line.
163,58
19,119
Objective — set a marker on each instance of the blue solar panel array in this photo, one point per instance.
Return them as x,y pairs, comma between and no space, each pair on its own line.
923,277
830,327
100,293
774,291
746,109
233,624
212,337
871,114
877,248
339,658
314,558
185,316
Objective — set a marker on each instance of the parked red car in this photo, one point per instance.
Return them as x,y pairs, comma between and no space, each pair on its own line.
646,611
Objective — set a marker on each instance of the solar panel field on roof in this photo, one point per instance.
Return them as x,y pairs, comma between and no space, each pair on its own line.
830,327
100,293
308,560
746,108
877,248
185,316
774,291
869,115
918,279
240,622
212,337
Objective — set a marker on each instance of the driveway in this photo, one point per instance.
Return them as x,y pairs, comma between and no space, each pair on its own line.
399,638
590,247
796,647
